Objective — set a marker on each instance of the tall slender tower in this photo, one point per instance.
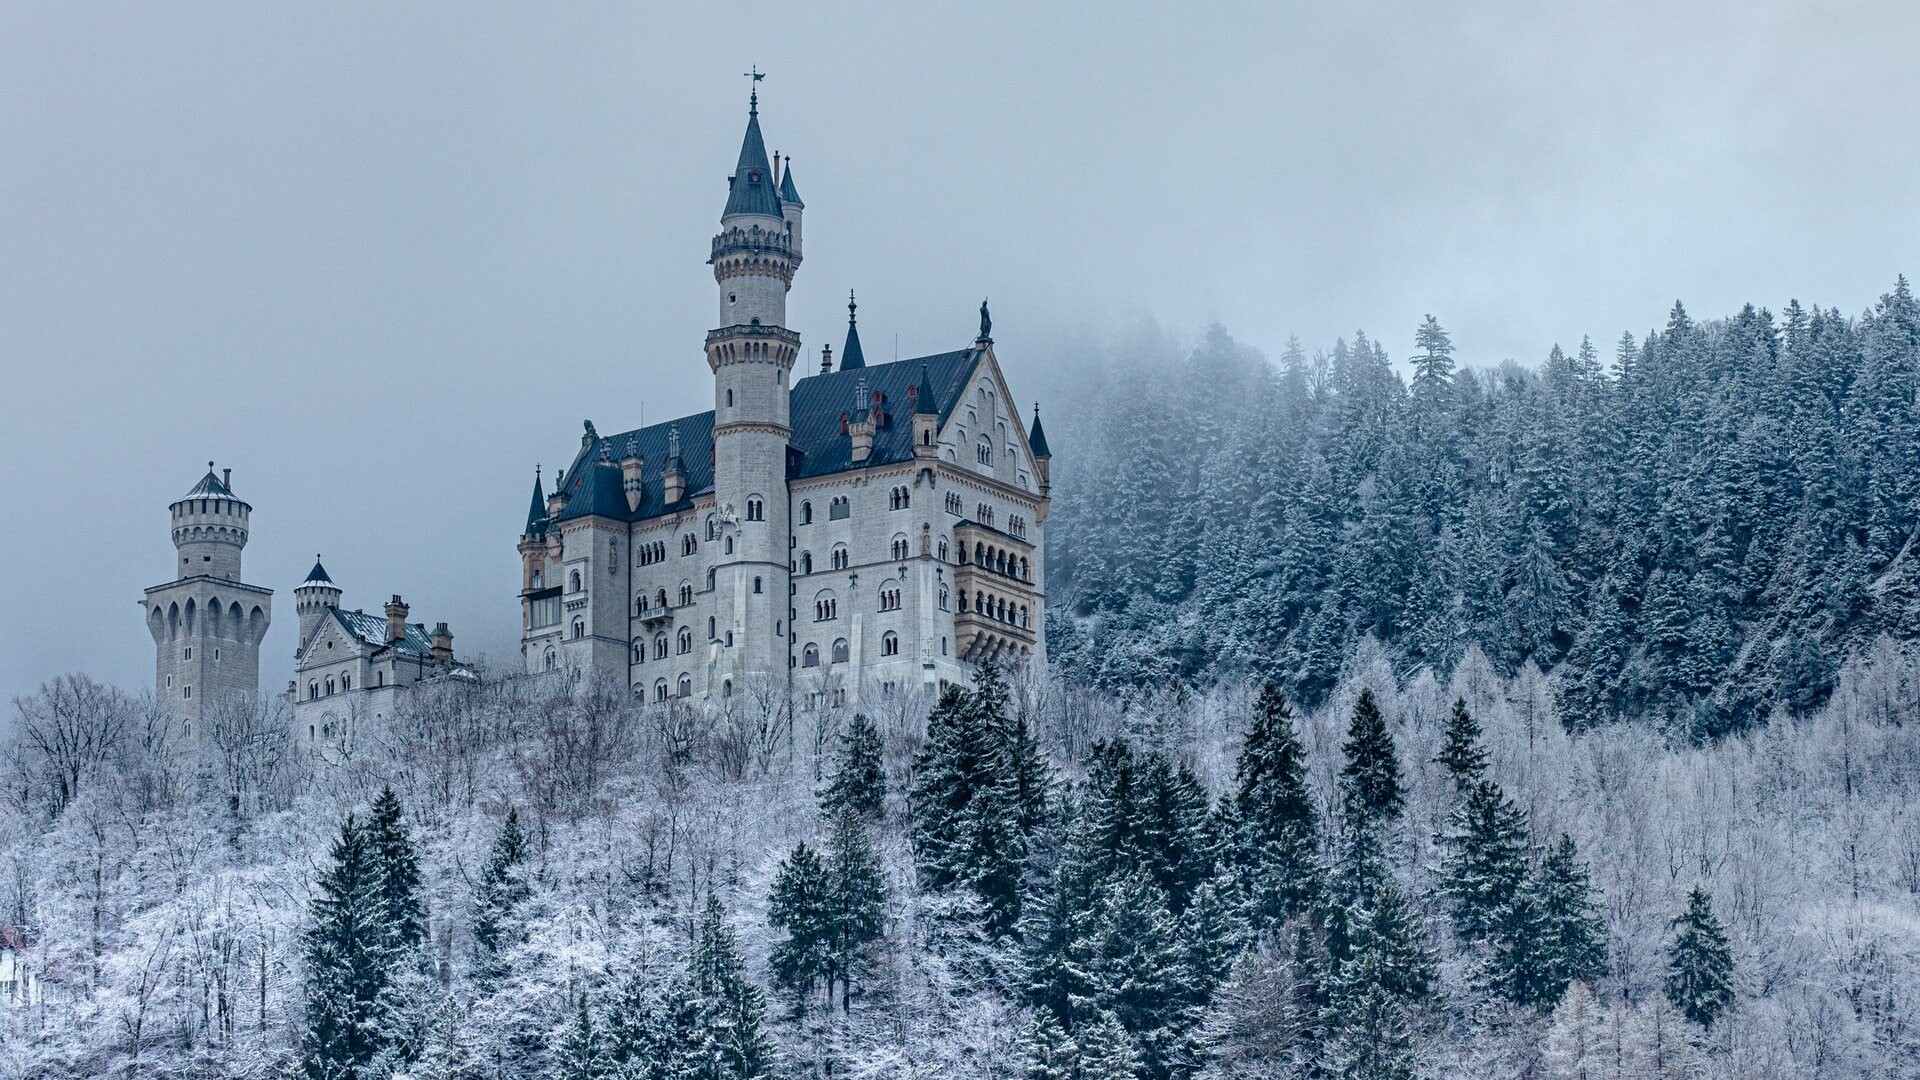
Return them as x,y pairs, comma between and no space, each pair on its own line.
207,624
752,354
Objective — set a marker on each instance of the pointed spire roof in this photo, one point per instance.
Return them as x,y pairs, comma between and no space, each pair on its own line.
851,357
317,577
924,402
1037,435
789,193
537,512
750,189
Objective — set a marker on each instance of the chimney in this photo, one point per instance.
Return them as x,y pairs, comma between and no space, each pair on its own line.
396,619
442,641
226,479
826,359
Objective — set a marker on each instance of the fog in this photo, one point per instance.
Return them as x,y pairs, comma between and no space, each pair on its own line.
382,260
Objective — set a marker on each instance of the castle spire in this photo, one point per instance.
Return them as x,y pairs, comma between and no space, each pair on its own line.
1037,435
535,513
750,189
851,357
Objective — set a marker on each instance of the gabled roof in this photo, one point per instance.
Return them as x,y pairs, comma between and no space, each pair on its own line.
816,448
750,188
372,629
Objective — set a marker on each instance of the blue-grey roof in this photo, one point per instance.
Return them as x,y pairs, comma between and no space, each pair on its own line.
852,356
817,447
789,193
317,575
1037,436
537,512
209,487
750,189
372,629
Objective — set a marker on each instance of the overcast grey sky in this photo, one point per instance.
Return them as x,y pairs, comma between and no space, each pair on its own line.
381,259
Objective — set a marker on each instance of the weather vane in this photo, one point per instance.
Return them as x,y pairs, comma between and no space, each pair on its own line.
754,73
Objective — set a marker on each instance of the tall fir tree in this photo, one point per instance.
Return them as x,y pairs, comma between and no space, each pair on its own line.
731,1009
582,1052
856,904
347,952
1699,962
798,905
1483,859
1371,793
1461,752
1278,825
502,890
859,779
1574,945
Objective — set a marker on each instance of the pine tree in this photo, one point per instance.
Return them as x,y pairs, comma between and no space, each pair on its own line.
1370,789
1574,942
582,1050
1375,1041
1106,1052
1391,948
859,777
447,1054
966,813
502,889
1278,825
1483,859
397,868
1461,753
1029,775
1047,1050
347,959
798,904
731,1008
856,903
1699,962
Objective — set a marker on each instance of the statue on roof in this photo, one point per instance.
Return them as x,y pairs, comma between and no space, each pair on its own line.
590,435
986,323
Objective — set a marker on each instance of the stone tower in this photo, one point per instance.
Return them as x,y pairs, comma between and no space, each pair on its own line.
207,624
752,354
311,599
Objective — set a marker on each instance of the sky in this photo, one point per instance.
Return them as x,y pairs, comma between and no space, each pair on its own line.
382,259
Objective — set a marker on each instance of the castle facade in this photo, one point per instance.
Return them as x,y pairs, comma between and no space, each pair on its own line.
862,529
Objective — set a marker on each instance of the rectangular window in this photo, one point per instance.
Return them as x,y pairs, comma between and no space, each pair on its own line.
188,654
543,609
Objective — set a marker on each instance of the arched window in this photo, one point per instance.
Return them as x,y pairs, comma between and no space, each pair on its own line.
810,656
954,506
329,686
756,584
688,544
713,527
536,579
890,644
640,604
686,640
840,557
899,547
806,562
840,650
573,581
660,690
943,596
639,651
890,598
839,508
713,627
686,594
709,580
313,688
806,513
550,660
660,646
756,508
686,685
726,688
984,452
729,545
579,629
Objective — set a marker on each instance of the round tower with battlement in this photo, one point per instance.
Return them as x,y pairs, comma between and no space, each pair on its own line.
207,624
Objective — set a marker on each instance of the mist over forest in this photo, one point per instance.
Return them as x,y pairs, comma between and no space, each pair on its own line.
1546,721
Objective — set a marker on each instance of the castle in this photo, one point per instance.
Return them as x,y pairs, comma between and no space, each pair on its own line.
865,529
207,626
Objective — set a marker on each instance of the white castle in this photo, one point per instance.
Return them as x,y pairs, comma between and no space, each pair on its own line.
855,531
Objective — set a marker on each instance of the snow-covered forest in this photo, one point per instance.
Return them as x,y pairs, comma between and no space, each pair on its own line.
1699,522
534,880
1514,723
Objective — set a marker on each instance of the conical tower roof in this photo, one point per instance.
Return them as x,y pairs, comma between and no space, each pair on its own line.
1037,435
537,512
750,189
851,357
317,577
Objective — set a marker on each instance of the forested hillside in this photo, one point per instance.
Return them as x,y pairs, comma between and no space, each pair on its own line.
540,880
1697,523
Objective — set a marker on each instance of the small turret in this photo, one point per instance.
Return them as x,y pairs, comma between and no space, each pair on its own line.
674,479
926,417
311,599
861,424
790,204
852,357
1042,457
557,501
537,511
632,465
